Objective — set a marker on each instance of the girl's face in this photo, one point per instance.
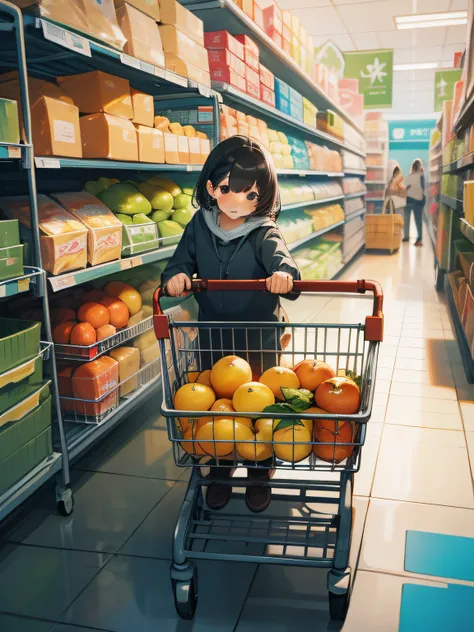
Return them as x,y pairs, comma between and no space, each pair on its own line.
234,205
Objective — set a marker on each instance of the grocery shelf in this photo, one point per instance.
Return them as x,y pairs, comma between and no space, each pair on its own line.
467,230
360,211
300,242
376,167
430,228
235,96
303,172
69,279
26,486
375,199
20,284
466,162
84,163
351,196
465,116
11,151
225,14
463,343
378,182
355,172
376,152
290,207
456,205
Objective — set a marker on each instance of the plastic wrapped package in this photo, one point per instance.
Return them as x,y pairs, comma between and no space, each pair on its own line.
104,229
63,239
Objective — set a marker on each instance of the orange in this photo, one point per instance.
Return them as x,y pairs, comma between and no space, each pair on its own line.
296,444
105,332
260,450
339,395
218,439
325,433
61,314
205,378
278,377
252,397
222,406
193,376
132,300
118,311
95,314
190,445
113,288
228,374
194,397
94,296
62,332
311,373
83,335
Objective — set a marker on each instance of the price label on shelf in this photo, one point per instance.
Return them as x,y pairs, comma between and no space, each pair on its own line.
160,72
72,41
177,79
47,163
146,67
136,261
61,283
125,264
14,152
204,91
23,285
3,290
133,62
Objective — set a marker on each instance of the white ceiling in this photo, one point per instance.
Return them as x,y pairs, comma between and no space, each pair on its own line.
365,24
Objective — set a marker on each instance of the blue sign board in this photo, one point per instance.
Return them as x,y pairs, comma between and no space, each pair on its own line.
410,134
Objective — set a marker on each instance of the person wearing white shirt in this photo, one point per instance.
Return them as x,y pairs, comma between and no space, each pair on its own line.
416,199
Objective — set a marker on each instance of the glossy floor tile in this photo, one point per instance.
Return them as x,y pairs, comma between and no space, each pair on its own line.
12,623
423,412
364,478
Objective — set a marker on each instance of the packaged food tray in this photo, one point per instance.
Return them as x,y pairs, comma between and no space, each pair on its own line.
25,459
15,435
19,341
25,406
20,382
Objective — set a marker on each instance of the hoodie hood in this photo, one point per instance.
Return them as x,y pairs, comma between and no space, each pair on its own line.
250,224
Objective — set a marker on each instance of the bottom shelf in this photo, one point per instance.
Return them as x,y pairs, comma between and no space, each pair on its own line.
29,484
463,344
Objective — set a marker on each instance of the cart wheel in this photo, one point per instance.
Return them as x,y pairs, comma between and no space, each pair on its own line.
65,504
186,596
338,606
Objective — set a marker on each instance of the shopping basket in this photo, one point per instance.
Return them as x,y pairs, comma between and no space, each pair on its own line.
316,537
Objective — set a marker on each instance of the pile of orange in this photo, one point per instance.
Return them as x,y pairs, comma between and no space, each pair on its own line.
229,387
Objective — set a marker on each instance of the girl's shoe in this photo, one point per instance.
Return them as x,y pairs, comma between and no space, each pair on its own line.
418,243
258,495
218,494
405,239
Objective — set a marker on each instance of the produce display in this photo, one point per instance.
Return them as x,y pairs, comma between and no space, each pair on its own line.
322,260
311,386
293,192
353,185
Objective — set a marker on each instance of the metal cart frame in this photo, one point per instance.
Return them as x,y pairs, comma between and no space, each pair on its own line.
313,538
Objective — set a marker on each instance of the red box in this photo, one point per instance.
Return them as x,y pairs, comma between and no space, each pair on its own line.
219,40
253,90
220,58
228,75
267,95
252,75
252,55
273,20
258,15
267,77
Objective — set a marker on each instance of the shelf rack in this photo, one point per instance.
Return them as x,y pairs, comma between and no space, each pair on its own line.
36,41
453,203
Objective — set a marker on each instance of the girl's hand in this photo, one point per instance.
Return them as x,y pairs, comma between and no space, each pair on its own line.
280,283
177,284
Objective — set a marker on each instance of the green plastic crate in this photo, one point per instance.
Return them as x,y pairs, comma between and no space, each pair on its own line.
20,382
19,341
25,459
25,405
9,233
11,262
15,435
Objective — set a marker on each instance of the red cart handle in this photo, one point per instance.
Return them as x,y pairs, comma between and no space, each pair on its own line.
373,324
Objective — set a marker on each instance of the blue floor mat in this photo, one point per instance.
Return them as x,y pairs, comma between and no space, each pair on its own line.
436,609
440,555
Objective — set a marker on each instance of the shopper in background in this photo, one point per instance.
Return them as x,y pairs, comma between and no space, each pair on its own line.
396,193
415,200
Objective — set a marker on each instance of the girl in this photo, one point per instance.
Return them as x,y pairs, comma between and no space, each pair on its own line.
233,235
396,190
415,201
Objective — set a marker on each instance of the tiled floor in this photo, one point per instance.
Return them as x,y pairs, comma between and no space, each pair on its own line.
106,567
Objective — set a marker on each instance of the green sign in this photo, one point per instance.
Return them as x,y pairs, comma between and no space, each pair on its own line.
330,55
444,86
374,70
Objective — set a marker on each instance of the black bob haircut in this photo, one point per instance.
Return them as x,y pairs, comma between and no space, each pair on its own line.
246,162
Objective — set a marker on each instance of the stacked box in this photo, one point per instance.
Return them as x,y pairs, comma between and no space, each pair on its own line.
282,96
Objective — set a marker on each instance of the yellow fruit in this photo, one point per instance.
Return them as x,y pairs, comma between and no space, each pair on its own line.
271,424
193,376
296,446
228,374
194,397
132,300
277,377
218,439
252,397
259,450
191,446
205,378
223,405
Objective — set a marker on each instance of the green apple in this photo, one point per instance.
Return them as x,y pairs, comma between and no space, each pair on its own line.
169,229
166,184
183,216
160,216
182,201
125,219
126,199
160,199
141,218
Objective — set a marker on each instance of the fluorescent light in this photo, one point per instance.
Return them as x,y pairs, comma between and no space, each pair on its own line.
429,65
430,20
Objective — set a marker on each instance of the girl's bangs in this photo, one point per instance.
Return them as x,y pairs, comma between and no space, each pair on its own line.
249,168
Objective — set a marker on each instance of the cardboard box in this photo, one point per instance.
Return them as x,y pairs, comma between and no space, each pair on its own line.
9,121
185,69
221,58
171,148
107,136
98,91
296,50
277,39
183,46
150,7
253,77
228,75
246,6
267,95
194,151
143,35
205,149
273,20
252,89
143,108
295,24
258,7
173,13
221,40
287,47
267,78
151,145
251,51
183,150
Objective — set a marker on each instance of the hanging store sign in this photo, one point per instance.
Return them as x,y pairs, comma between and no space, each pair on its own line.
406,132
444,83
332,57
374,70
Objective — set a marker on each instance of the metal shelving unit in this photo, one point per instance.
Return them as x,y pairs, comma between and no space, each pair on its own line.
300,242
453,203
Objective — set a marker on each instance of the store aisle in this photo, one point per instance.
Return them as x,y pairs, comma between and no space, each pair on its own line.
107,566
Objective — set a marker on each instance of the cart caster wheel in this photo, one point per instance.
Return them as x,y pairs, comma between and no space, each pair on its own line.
338,606
186,597
65,502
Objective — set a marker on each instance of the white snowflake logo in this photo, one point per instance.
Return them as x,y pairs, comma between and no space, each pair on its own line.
375,72
441,87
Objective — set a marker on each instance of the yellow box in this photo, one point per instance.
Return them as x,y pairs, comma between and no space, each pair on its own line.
186,69
98,91
173,13
469,201
182,46
143,35
150,7
143,108
106,136
151,145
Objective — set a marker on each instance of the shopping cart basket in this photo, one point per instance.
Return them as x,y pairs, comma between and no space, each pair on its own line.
307,536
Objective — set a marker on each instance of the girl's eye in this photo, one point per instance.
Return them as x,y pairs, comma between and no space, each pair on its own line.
224,189
252,196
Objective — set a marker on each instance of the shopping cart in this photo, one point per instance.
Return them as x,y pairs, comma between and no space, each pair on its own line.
305,536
